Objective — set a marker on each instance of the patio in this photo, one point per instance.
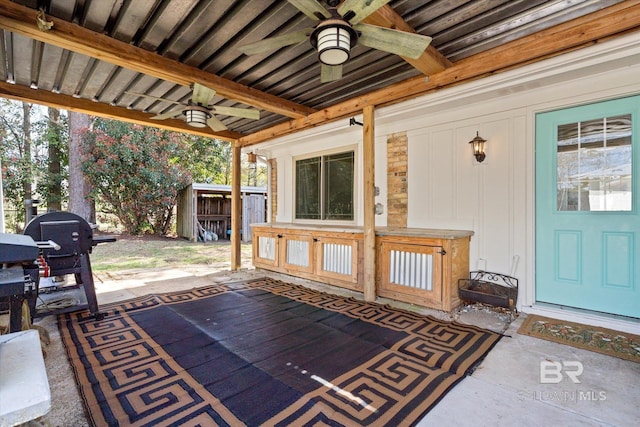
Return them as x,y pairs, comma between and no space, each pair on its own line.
505,389
112,61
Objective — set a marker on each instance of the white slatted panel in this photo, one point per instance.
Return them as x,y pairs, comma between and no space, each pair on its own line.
298,253
267,247
411,269
337,258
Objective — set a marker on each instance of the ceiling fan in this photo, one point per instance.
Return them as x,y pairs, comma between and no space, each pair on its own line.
338,31
199,112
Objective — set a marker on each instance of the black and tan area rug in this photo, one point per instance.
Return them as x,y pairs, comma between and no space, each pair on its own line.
600,340
265,352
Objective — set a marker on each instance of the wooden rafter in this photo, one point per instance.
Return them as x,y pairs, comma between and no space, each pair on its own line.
66,102
581,32
431,61
22,20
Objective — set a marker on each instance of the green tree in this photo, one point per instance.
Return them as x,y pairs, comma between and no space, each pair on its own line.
209,160
21,146
136,173
253,174
12,152
54,162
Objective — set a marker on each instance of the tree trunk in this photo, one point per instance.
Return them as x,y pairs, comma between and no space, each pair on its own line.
27,170
26,158
54,167
79,188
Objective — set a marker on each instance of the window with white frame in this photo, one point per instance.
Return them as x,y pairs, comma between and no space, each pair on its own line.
325,187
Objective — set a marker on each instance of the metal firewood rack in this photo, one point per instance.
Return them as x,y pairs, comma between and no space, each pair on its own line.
485,287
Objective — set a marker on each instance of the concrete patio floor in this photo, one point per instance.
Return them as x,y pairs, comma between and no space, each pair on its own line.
505,389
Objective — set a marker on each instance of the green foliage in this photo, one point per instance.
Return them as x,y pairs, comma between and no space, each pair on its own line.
136,173
53,186
209,160
12,153
17,167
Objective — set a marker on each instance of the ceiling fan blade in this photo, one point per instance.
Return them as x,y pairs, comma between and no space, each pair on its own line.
202,95
169,114
247,113
410,45
312,8
355,11
216,125
153,97
330,73
273,43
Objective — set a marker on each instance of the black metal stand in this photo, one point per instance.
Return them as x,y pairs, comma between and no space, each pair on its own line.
15,289
490,288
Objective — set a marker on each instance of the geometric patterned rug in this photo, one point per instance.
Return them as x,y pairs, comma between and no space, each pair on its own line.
265,352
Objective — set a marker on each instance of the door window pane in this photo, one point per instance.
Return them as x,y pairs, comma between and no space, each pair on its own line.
594,163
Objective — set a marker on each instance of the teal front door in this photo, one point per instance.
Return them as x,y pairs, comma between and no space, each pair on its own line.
588,207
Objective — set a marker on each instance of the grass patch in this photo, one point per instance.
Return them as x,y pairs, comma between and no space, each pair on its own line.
132,252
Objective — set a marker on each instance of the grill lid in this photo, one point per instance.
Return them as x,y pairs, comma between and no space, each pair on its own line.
70,231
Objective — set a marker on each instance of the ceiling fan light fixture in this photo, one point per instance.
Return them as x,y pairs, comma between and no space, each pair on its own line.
197,116
333,39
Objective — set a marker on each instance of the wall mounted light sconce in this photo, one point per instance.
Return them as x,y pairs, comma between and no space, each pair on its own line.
352,122
252,157
478,147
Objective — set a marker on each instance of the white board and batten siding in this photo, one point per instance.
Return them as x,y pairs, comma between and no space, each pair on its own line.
447,188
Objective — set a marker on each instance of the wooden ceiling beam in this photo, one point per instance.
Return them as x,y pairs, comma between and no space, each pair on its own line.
22,20
66,102
430,62
575,34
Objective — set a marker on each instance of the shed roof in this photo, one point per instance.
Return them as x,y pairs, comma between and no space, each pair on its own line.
226,189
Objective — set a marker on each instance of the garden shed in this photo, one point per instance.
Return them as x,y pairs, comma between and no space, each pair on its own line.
205,209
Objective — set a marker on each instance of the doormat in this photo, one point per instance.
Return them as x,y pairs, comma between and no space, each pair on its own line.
600,340
265,352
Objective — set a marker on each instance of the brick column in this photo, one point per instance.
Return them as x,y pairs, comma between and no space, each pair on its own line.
397,191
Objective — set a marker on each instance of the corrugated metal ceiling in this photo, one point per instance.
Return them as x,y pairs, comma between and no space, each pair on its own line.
206,34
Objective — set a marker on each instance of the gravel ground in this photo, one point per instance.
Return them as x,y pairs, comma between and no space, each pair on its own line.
66,406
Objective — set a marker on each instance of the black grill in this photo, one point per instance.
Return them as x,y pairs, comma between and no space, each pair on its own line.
74,237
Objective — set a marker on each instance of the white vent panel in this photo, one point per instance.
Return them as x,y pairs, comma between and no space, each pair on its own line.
337,258
298,253
411,269
267,247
